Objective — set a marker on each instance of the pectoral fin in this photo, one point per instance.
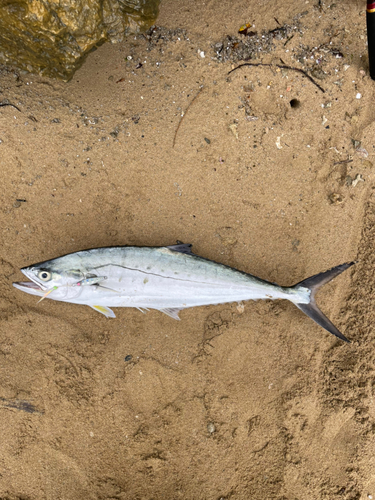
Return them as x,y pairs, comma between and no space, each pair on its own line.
172,312
108,313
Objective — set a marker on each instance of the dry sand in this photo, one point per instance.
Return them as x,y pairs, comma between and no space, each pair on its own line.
259,403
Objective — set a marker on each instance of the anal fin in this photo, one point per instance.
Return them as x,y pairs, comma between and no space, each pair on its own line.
108,313
143,309
171,312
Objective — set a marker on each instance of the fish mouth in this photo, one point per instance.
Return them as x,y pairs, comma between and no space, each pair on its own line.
29,287
32,286
28,284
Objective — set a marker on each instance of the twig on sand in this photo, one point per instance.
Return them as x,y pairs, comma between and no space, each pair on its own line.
183,116
281,66
343,161
10,104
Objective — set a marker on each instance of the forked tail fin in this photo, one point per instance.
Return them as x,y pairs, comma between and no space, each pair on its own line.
311,309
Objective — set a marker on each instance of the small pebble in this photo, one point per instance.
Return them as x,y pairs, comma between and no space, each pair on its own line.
211,427
358,95
240,308
233,129
207,140
129,357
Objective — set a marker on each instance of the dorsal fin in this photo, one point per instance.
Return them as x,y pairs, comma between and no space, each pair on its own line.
181,247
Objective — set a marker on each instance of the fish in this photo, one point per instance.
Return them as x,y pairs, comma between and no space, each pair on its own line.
169,279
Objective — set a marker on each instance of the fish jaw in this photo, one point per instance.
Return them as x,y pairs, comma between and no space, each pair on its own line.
29,287
32,287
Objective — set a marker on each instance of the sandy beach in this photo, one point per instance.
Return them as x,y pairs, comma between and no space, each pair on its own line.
263,169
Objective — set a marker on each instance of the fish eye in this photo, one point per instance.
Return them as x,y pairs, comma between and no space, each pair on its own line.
44,275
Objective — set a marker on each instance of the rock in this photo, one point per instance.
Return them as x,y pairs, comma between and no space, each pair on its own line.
211,427
53,37
318,73
233,129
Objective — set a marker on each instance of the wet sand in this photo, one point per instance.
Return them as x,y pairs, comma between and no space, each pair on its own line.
153,142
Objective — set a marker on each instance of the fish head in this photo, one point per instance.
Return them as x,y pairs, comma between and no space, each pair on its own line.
47,277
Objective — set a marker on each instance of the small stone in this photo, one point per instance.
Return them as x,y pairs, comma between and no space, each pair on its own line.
318,73
233,129
211,427
348,180
240,308
218,47
17,204
358,95
207,140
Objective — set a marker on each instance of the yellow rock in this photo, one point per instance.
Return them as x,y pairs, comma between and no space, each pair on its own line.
53,37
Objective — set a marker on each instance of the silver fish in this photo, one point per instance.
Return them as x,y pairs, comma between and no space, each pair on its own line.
168,279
